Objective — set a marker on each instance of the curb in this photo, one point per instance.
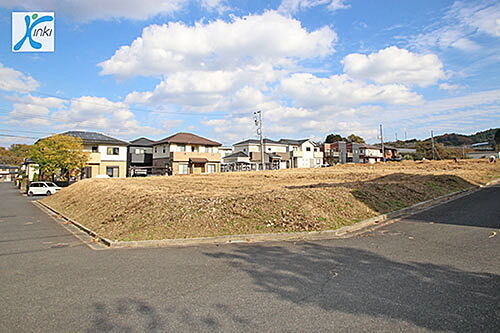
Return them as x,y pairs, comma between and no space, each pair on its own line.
343,232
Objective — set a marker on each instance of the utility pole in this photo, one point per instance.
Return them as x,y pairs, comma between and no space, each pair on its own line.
382,143
396,136
406,136
258,122
432,141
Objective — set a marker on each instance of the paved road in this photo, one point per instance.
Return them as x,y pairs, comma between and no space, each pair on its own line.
438,270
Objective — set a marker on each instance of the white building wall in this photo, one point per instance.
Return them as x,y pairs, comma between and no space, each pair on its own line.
122,153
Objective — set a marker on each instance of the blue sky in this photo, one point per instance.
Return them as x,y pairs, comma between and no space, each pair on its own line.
154,67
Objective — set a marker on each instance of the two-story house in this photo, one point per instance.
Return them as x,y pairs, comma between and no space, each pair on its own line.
303,153
370,154
108,156
8,173
140,157
186,153
275,153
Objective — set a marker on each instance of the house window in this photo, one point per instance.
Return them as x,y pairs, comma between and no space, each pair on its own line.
183,169
244,149
113,151
269,149
210,168
182,148
156,149
95,149
113,171
163,149
209,149
308,148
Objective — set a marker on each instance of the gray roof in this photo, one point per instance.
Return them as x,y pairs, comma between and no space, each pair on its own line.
237,154
142,142
94,137
293,142
5,166
255,141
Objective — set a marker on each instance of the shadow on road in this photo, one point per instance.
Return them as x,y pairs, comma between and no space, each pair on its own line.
125,315
360,282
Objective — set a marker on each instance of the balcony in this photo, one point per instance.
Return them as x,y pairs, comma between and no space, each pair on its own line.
94,158
318,154
297,153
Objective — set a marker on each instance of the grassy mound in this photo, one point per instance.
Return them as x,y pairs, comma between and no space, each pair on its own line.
259,202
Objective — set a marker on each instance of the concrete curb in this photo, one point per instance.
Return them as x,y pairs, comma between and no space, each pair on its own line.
343,232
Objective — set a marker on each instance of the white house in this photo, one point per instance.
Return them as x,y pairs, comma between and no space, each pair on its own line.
303,153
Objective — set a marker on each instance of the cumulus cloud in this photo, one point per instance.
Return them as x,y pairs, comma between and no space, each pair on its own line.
13,80
32,110
89,10
293,6
395,65
173,47
308,90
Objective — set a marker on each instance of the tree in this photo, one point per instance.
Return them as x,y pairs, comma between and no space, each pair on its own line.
331,138
15,154
59,153
355,139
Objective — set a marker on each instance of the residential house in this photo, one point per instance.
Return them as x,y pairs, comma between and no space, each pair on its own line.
185,153
303,153
140,157
225,151
238,161
347,152
370,154
8,173
108,156
282,154
276,154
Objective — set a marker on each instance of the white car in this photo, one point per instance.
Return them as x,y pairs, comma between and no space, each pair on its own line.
43,188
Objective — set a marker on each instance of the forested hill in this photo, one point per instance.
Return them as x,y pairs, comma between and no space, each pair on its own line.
452,139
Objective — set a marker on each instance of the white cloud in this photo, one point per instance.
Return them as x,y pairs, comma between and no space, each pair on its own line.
31,110
219,6
217,45
310,91
484,17
447,86
460,26
89,10
13,80
293,6
395,65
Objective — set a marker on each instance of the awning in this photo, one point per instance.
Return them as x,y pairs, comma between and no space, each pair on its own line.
198,160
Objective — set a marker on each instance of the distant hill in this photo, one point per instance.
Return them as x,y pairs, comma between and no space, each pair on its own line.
451,139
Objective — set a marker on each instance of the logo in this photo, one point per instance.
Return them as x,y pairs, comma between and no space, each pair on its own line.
32,32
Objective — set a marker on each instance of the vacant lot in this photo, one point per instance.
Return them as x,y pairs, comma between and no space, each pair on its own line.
254,202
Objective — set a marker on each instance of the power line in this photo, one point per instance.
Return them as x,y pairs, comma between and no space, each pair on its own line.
17,136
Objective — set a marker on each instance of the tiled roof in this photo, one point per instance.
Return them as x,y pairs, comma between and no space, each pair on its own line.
255,141
94,137
188,138
237,154
293,142
143,142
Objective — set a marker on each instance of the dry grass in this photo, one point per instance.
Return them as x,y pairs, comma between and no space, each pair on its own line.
254,202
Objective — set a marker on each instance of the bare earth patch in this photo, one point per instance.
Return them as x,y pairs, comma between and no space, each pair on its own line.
260,202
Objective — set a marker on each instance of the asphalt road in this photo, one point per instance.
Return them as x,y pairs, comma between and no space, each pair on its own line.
438,270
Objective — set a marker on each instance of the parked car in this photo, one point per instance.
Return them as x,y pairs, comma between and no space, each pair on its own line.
42,188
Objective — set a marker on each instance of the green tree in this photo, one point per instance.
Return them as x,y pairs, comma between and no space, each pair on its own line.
59,154
355,139
331,138
15,154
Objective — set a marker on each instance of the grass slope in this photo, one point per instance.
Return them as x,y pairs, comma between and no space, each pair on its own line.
255,202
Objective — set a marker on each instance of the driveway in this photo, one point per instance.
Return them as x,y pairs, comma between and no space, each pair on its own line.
438,270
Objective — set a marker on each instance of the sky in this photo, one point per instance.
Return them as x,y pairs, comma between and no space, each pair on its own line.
152,68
